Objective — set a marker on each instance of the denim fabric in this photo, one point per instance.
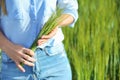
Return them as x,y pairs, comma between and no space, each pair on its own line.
51,64
9,71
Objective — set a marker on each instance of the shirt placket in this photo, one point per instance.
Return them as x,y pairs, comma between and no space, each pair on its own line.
33,13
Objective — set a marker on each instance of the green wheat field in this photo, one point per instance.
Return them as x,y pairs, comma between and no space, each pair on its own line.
93,45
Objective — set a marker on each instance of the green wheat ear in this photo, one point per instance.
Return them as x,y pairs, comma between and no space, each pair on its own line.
52,22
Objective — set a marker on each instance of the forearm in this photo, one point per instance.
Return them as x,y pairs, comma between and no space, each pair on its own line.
4,42
66,20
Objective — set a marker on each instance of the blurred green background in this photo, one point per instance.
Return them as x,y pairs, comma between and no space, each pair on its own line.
93,45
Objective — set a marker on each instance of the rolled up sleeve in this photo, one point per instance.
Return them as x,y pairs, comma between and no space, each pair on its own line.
70,7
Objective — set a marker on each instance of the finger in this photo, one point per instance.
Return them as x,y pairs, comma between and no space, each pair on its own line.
28,63
27,57
28,51
20,67
50,35
46,36
42,41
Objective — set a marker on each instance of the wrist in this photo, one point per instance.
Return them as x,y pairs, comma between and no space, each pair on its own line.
6,47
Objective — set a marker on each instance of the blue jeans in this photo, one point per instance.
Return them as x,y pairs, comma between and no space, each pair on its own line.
51,64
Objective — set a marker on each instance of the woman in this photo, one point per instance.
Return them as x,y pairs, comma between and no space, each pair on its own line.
20,23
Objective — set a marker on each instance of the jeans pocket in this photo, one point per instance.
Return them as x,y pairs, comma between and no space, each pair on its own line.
53,50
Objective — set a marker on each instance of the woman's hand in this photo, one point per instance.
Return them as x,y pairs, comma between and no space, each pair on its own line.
45,38
66,20
17,53
20,55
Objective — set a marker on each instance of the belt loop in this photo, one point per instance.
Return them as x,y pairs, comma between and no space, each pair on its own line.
46,51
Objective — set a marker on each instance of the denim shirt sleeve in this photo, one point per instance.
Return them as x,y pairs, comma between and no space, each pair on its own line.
70,7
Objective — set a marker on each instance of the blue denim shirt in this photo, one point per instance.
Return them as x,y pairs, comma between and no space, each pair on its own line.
26,18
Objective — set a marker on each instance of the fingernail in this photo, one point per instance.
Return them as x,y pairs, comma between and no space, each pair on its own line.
23,70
